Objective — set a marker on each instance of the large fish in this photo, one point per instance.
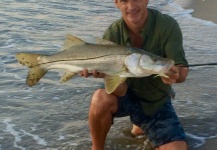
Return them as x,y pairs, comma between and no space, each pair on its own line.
117,62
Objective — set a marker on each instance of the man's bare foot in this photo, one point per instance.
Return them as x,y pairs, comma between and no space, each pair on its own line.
136,130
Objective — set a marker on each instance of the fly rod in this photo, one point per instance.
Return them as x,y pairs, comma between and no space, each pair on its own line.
204,64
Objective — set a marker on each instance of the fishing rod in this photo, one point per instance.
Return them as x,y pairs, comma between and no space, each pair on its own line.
204,64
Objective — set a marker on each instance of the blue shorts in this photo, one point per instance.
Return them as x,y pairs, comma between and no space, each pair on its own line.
161,127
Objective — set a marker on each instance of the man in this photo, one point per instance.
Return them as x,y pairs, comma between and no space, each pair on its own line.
146,100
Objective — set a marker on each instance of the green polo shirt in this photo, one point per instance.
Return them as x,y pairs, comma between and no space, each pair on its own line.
162,36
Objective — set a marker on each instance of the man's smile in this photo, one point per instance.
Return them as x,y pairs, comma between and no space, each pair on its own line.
133,13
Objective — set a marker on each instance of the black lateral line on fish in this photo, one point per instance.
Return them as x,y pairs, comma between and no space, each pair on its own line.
76,59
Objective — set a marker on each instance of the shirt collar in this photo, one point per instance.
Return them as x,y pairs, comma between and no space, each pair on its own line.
147,29
125,33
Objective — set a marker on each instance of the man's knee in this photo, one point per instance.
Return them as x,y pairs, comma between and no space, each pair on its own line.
99,97
103,101
98,94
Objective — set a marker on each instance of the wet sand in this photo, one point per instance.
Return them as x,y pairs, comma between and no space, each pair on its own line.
209,145
203,9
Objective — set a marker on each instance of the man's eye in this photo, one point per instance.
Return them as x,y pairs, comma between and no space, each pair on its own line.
123,1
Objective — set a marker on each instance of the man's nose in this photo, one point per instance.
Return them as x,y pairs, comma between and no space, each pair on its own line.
131,4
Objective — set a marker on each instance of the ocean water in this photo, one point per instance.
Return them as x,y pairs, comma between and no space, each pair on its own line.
53,116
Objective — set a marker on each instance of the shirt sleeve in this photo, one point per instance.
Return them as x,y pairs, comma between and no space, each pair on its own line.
107,34
174,45
113,32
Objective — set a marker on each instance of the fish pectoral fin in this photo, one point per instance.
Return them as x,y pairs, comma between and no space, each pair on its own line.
72,41
34,75
104,42
66,76
112,82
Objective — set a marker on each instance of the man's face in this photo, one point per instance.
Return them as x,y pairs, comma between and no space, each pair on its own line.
133,11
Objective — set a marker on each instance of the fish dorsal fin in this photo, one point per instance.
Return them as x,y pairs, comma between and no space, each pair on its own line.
112,82
104,42
72,41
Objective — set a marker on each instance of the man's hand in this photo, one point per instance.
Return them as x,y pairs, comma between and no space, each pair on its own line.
94,73
176,74
173,75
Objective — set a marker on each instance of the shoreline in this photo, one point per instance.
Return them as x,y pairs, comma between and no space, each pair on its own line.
203,9
209,145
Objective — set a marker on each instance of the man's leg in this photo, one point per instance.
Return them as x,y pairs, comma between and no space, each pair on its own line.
164,129
177,145
102,108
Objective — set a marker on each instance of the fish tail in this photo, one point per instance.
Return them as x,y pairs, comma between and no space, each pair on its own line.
36,72
29,60
34,75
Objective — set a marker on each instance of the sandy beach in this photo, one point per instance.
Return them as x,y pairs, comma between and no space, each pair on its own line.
203,9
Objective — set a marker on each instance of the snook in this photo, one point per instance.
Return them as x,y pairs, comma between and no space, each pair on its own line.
117,62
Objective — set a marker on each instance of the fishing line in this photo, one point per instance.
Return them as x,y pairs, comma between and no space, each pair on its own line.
205,64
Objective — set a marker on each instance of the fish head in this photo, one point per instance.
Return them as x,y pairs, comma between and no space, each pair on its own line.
152,64
145,64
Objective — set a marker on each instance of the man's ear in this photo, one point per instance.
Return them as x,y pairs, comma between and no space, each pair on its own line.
147,3
116,3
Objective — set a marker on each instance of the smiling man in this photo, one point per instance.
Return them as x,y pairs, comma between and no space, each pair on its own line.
146,100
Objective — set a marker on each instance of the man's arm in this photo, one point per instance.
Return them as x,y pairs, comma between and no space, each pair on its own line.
183,72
